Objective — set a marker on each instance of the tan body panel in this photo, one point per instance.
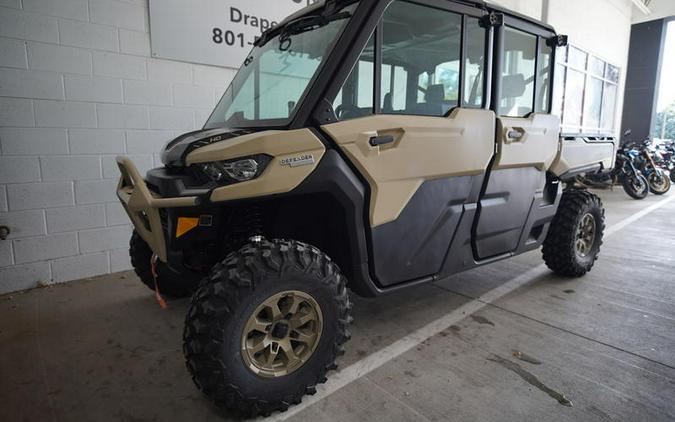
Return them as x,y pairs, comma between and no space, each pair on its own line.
425,148
276,178
576,153
142,206
537,145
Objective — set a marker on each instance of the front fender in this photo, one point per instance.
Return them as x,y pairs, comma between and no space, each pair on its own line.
295,153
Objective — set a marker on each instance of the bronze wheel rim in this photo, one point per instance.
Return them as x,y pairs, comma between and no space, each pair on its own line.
659,182
282,334
585,236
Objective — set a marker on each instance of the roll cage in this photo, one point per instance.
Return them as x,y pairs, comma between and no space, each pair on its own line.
316,106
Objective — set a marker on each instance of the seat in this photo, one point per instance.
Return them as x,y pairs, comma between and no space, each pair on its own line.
388,103
434,102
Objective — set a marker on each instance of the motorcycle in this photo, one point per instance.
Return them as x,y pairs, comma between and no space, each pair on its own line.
643,157
625,173
664,157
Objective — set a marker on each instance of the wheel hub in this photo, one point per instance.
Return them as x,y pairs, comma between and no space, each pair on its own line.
282,334
658,182
585,236
280,330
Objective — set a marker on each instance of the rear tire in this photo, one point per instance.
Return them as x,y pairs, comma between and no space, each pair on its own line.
636,186
171,283
659,184
569,250
231,331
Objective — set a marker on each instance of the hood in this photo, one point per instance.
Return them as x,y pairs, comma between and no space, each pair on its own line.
175,151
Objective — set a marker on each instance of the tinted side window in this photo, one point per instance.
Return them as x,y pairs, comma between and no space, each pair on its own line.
355,99
420,60
474,68
518,78
544,63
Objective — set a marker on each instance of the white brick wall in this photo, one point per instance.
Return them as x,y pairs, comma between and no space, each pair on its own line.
78,87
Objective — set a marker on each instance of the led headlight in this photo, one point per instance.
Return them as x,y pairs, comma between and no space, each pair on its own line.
233,171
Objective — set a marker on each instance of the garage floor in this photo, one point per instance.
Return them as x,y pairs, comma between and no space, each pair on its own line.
538,348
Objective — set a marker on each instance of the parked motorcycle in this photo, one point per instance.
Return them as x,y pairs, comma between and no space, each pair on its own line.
664,157
625,173
643,157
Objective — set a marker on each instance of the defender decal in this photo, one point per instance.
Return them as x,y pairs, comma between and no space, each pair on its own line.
303,160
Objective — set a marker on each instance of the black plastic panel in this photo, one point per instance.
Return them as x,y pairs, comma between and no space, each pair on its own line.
504,209
415,245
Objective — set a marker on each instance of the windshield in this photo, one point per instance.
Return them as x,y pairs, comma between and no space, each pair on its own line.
269,86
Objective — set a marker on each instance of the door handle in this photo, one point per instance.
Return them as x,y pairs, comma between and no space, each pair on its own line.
514,135
376,141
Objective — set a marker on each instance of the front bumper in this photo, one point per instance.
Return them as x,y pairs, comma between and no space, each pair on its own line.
143,206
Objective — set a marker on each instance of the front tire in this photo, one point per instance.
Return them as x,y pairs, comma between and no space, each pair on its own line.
636,186
659,184
573,242
263,308
171,283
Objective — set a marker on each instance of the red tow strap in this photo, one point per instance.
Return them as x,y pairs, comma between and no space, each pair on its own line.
153,266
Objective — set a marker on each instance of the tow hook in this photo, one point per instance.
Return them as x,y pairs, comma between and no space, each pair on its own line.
4,232
153,270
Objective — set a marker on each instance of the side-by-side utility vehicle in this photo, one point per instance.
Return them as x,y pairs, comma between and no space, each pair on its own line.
368,145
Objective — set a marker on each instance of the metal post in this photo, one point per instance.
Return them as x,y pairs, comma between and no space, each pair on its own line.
545,11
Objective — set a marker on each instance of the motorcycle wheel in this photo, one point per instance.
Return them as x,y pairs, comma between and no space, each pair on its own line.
659,184
636,186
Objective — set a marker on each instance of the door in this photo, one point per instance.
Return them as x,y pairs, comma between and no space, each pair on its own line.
527,140
412,123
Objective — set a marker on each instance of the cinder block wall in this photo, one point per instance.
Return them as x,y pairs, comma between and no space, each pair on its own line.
78,87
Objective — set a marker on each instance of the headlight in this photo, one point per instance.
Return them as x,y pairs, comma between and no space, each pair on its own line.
234,171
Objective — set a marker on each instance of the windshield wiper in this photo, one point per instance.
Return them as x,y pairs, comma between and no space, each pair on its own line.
302,24
306,24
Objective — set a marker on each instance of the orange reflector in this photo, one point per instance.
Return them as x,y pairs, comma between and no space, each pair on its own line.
185,225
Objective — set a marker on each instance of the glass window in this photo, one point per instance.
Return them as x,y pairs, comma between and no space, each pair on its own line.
543,77
574,96
585,92
608,107
612,73
422,45
562,54
268,87
559,89
393,98
597,67
355,99
474,67
518,75
282,82
592,103
577,58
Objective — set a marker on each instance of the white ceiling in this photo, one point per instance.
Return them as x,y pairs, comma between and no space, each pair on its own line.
659,8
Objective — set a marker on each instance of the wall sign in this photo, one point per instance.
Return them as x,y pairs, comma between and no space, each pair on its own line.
213,32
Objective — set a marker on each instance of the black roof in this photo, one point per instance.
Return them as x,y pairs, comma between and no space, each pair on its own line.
481,4
494,7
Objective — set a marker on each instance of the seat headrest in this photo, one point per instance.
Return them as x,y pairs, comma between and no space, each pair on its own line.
513,86
387,103
435,94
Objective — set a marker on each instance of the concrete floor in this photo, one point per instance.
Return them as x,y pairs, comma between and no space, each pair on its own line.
102,350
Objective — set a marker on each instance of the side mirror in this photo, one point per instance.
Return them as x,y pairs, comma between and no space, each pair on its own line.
627,133
493,19
558,41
